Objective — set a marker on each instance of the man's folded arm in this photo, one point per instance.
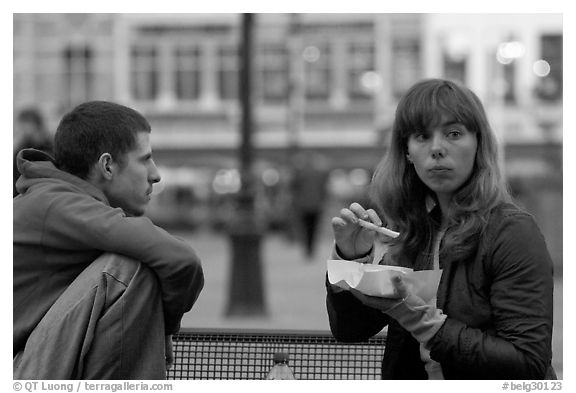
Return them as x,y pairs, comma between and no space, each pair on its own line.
88,224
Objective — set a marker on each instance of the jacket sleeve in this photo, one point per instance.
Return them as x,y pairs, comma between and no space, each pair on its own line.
350,320
518,343
77,222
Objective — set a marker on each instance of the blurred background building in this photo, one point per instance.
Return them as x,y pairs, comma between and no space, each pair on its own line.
326,87
325,84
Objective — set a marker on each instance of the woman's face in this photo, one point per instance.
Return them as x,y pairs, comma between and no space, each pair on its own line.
443,156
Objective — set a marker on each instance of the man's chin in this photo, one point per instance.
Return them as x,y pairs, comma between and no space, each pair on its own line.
135,212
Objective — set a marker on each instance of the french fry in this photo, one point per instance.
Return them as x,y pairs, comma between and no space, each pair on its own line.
374,227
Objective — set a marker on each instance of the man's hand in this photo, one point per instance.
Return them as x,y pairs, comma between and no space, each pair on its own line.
169,352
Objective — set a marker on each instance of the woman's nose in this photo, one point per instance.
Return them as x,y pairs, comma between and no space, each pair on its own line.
437,149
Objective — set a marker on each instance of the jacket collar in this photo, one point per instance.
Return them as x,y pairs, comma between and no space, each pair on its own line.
39,167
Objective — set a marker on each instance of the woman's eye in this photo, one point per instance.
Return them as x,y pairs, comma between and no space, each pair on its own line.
454,133
419,136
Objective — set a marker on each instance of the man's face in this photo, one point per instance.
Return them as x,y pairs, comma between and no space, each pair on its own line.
131,184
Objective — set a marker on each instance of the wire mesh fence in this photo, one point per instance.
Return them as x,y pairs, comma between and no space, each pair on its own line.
202,354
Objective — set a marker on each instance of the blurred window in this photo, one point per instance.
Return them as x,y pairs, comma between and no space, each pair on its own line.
144,73
187,78
360,67
228,72
19,57
455,68
550,86
272,68
77,74
502,80
318,71
406,63
509,71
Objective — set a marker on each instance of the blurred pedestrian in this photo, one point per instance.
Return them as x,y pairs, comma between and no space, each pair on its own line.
440,186
309,191
99,290
32,134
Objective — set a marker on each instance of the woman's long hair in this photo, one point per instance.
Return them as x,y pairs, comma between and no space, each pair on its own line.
400,195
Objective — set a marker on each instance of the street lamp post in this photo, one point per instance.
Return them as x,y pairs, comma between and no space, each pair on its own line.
246,295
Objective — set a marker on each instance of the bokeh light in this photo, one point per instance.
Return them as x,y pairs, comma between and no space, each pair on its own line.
311,54
226,181
270,177
370,80
541,68
359,177
508,51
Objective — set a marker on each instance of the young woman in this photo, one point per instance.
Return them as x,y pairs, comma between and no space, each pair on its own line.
440,186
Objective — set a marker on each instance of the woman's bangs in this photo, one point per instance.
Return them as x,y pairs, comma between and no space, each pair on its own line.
430,108
455,107
419,111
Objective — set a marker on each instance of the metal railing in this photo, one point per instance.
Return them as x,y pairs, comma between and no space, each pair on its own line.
248,354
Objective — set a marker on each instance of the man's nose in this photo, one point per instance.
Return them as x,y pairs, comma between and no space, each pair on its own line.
154,176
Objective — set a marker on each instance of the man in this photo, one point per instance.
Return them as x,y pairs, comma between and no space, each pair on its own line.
32,134
98,288
309,191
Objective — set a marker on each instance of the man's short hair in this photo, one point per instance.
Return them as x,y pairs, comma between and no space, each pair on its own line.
92,129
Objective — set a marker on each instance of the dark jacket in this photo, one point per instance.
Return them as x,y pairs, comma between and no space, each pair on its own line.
63,223
499,307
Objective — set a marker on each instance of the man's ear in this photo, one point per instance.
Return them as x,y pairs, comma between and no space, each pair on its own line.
105,166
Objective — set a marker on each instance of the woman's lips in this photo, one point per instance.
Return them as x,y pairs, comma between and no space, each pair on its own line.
439,169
